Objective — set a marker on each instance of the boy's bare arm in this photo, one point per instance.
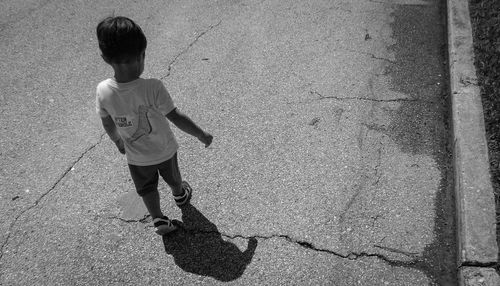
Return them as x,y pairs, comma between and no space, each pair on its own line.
183,122
110,127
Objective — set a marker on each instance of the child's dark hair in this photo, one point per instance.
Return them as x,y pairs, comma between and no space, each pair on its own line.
120,39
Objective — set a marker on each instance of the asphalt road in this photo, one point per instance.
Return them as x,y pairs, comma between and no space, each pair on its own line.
330,163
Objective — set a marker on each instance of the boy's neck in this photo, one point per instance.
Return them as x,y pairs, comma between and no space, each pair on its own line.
125,73
124,78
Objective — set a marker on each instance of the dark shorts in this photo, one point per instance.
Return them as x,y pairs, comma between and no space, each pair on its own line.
146,177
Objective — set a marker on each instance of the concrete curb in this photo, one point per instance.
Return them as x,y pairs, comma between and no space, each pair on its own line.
478,276
477,245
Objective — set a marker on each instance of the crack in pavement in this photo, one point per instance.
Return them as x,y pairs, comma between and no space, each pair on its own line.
321,97
394,250
416,262
373,56
324,97
305,244
403,3
145,219
358,188
54,185
377,167
186,49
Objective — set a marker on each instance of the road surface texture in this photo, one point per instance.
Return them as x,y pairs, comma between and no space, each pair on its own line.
330,163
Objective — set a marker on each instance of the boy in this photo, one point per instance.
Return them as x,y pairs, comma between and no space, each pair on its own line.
133,111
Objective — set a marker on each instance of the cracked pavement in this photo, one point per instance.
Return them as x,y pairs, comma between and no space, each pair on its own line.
330,163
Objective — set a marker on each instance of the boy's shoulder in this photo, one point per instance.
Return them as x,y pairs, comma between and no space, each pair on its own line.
155,85
104,88
105,84
109,86
152,81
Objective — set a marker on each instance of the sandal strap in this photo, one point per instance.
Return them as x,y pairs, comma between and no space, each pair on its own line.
162,221
181,196
164,225
184,198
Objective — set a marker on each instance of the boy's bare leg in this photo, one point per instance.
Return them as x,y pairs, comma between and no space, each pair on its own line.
152,202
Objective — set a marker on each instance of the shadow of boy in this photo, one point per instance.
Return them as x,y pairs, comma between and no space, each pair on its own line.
198,247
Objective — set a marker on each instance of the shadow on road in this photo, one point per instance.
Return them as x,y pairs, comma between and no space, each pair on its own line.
198,247
422,128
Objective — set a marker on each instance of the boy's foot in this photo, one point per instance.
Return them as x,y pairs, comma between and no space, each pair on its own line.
164,225
186,196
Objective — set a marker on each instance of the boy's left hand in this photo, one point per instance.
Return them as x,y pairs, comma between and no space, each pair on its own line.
206,139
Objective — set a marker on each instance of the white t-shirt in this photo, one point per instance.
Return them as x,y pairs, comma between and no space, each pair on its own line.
138,109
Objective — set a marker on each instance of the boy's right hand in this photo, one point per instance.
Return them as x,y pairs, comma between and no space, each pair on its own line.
206,139
119,144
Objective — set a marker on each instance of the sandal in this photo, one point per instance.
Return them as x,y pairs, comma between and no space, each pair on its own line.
164,225
186,196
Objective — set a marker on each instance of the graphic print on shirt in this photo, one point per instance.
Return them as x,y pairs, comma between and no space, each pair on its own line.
143,124
122,121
